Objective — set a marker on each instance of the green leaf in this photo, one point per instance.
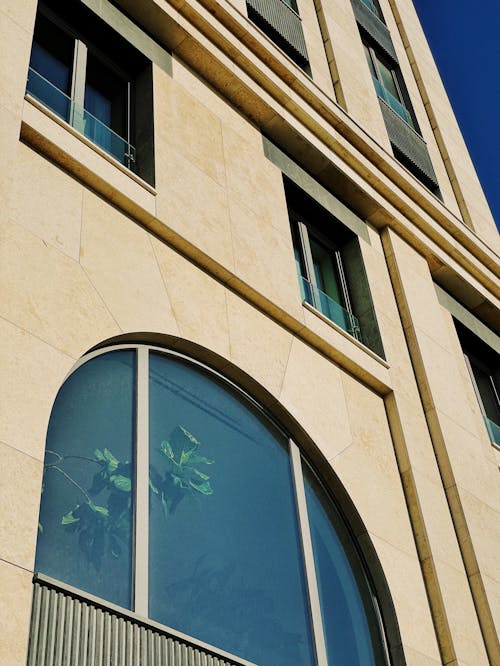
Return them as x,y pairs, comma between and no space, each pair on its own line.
205,488
99,455
205,477
153,488
200,460
111,460
40,528
68,519
98,509
166,449
182,439
186,455
121,482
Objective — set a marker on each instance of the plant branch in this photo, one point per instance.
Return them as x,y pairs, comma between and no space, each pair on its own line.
71,480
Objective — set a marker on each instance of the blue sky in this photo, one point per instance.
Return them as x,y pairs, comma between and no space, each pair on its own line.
464,39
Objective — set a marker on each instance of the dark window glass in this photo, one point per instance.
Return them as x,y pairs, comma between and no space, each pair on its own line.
85,532
106,95
51,67
325,271
225,560
106,107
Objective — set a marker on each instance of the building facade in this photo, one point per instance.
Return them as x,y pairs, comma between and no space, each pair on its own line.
249,316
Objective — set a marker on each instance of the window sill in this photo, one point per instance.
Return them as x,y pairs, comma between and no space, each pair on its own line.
47,592
347,335
353,354
54,137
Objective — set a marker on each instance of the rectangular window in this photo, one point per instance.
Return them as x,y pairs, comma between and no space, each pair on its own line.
330,268
321,276
484,367
389,85
75,72
406,140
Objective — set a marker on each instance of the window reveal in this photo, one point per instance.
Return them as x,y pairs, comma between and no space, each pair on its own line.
75,73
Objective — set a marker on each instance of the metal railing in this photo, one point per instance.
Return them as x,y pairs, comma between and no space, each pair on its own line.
408,143
80,119
369,18
281,22
330,308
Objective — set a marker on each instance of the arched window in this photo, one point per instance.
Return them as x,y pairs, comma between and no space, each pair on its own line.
169,492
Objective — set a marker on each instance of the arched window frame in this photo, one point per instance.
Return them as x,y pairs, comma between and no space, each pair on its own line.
140,547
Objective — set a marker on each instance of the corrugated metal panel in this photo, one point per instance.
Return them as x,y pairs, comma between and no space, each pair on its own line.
377,30
67,630
277,19
408,143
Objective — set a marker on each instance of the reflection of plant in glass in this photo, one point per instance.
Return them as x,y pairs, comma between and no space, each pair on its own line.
181,477
102,519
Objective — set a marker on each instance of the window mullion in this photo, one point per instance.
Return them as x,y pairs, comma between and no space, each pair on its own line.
309,262
306,252
141,522
307,550
78,86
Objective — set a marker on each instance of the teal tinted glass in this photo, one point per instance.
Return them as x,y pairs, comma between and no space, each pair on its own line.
347,609
85,531
388,80
325,271
225,560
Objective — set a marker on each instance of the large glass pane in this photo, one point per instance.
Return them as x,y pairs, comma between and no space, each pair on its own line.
347,609
225,560
85,531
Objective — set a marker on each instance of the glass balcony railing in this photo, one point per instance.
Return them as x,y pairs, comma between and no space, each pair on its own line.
394,103
493,430
330,308
94,129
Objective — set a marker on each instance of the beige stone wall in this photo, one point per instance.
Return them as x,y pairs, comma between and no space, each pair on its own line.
467,468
